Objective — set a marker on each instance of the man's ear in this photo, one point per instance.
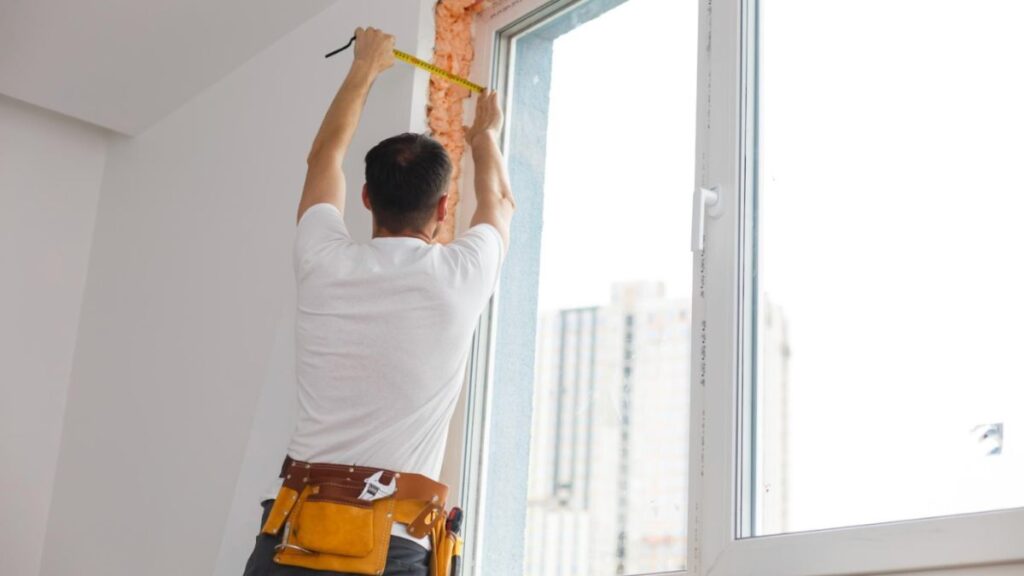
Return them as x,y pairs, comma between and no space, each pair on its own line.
442,208
366,198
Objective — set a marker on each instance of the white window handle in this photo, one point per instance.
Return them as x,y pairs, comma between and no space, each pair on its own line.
706,202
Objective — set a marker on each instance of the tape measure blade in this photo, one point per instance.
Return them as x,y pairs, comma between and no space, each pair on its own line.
409,58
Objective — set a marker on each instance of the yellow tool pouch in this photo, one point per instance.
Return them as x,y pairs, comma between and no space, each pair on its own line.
327,528
325,525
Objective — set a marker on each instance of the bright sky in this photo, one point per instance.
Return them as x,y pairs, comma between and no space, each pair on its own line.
892,204
620,155
891,211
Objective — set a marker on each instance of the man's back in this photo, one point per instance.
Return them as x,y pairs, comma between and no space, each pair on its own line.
382,335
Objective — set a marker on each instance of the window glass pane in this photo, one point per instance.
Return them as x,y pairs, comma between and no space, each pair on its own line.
607,492
891,291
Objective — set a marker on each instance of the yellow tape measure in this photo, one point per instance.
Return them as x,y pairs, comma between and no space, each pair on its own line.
436,70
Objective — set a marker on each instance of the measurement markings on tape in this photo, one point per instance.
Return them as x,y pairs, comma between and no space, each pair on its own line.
438,71
410,59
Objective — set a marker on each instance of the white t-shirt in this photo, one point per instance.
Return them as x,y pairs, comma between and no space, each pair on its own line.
382,334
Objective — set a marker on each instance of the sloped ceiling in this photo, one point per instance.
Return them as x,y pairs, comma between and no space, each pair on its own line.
124,64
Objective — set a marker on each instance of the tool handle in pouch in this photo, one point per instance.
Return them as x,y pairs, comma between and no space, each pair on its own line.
447,555
456,556
453,540
446,546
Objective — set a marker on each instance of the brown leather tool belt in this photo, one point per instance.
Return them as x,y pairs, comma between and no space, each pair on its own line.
338,517
297,475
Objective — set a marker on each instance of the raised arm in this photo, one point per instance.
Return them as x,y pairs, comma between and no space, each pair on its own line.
494,202
325,181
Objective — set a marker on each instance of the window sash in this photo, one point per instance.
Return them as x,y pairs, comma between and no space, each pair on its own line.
496,31
724,321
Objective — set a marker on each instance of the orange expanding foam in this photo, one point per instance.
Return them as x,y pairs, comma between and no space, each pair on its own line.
453,51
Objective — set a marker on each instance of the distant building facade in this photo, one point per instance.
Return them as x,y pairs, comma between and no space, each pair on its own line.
609,451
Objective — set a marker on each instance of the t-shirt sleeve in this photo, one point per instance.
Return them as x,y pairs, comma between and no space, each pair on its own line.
320,228
481,253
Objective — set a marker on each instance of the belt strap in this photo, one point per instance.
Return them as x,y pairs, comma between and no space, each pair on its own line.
297,474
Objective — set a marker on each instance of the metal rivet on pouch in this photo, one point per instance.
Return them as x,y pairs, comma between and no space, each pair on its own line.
306,479
288,477
351,469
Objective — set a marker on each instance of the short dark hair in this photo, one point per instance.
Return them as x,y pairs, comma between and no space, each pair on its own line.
405,177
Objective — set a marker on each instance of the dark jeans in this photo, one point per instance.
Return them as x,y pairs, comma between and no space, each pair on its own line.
405,557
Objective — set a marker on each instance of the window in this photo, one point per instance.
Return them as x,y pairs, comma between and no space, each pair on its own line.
608,450
592,328
817,226
888,338
858,267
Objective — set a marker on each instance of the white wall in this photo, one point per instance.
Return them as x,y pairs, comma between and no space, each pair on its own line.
182,391
50,173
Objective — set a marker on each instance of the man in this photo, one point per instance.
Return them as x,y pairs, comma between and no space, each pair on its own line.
383,329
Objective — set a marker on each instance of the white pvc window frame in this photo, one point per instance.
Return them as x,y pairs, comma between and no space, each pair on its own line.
982,544
720,520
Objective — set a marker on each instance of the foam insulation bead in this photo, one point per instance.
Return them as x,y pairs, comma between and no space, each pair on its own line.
453,51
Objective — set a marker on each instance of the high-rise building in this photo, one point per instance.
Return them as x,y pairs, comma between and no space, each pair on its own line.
609,451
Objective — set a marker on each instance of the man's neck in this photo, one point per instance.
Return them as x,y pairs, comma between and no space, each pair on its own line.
417,234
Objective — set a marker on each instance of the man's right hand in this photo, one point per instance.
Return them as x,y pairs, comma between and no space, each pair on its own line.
375,49
488,119
494,201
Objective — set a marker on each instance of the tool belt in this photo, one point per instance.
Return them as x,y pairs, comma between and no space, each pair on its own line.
338,518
